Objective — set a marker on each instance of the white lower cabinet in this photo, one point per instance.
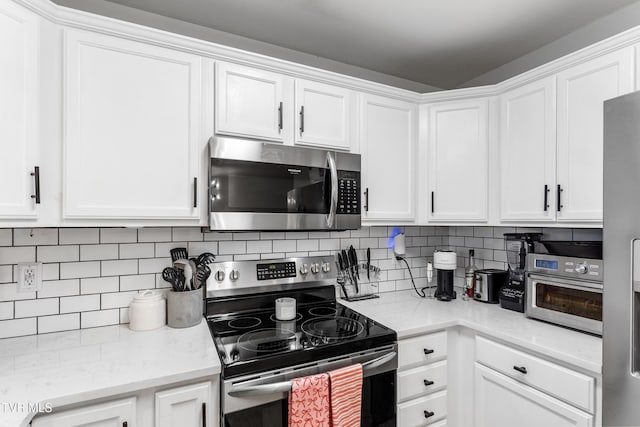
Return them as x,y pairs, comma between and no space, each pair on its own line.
188,406
119,413
500,401
423,411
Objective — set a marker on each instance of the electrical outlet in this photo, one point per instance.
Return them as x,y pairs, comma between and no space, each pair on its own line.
30,277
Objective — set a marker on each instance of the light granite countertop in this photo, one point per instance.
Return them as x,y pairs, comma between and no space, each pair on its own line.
411,315
69,367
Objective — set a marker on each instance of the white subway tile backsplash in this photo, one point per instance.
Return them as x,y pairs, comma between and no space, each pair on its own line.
473,242
59,288
232,247
6,310
119,267
284,245
143,281
98,252
36,307
193,234
296,254
153,265
159,234
65,253
118,235
73,270
491,243
197,248
296,235
50,271
216,236
246,236
16,254
124,315
163,249
35,236
58,323
6,237
306,245
76,236
137,250
272,235
9,292
246,257
259,246
483,231
78,304
99,285
18,327
329,244
6,273
377,232
92,319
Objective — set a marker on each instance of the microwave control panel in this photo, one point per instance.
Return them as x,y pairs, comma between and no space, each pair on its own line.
348,196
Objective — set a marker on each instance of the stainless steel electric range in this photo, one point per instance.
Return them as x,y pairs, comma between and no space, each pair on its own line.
260,355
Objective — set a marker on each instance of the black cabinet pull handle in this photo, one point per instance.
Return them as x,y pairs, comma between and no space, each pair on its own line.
428,351
195,192
280,118
366,200
428,414
301,120
125,424
427,383
520,369
204,414
433,208
546,197
36,177
558,197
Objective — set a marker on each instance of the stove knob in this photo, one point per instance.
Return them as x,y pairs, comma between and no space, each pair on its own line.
315,268
304,269
326,267
219,275
582,268
234,275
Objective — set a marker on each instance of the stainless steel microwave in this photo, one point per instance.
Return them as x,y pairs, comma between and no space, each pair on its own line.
256,185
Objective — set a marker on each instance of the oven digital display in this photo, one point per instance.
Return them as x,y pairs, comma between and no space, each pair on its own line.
546,264
279,270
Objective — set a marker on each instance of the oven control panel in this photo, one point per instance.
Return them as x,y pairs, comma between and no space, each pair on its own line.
276,270
348,196
579,268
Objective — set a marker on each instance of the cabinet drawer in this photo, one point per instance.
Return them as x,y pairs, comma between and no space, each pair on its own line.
421,350
556,380
423,411
423,380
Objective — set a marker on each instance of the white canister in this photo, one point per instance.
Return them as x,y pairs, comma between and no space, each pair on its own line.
285,308
147,311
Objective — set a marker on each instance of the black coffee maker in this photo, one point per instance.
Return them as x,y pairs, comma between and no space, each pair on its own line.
518,245
445,263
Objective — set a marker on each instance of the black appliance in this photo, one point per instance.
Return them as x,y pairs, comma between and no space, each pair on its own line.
260,355
445,263
488,285
518,245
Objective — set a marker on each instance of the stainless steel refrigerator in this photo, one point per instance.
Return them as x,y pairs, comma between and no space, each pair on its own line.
621,312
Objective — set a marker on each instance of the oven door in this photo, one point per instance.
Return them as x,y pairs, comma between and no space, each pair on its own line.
261,400
572,303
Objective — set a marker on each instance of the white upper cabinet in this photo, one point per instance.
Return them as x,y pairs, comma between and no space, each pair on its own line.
134,132
582,89
458,156
251,102
323,115
388,144
528,152
18,110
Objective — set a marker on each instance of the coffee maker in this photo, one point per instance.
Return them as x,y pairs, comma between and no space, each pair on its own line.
518,245
445,264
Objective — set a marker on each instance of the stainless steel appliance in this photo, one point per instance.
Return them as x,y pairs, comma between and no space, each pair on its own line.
488,284
518,245
260,355
266,186
566,291
445,263
621,311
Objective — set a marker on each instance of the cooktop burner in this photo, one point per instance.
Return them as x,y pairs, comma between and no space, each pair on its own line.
273,318
322,311
244,323
267,340
332,328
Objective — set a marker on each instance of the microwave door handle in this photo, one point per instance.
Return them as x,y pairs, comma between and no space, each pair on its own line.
333,170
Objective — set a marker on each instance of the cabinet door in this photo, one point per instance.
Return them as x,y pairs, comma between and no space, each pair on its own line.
18,109
323,115
251,102
458,161
388,144
528,152
581,92
133,129
502,402
188,406
110,414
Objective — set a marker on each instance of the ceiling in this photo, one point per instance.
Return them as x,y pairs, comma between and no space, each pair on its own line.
441,43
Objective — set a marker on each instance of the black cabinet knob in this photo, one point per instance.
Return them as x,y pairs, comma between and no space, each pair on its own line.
428,351
428,414
427,383
520,369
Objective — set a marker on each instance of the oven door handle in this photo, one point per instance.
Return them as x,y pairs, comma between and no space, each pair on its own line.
285,386
333,170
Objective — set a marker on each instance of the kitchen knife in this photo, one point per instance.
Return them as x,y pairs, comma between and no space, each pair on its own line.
353,264
368,262
354,261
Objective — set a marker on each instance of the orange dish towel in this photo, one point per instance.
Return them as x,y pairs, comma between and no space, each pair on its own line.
346,396
309,402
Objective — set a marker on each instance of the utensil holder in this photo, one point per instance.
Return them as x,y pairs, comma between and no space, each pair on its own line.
184,309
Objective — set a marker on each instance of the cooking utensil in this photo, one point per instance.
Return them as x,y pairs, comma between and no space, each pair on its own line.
175,277
185,266
202,274
205,258
368,263
178,253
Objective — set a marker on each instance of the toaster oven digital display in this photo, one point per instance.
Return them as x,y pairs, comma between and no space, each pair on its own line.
546,264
